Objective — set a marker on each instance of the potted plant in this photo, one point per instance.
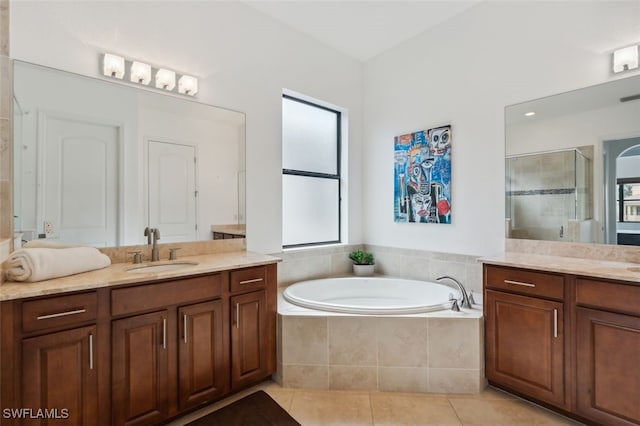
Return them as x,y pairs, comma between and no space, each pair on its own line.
363,262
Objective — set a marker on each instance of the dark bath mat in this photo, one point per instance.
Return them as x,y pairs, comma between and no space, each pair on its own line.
257,409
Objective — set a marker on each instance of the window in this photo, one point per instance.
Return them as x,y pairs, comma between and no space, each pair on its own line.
628,200
311,176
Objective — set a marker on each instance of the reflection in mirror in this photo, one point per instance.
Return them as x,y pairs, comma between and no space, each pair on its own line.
95,162
560,150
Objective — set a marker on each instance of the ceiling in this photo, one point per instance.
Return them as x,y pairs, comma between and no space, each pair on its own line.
361,29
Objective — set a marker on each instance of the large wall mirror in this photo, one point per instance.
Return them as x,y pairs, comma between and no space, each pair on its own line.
95,162
573,165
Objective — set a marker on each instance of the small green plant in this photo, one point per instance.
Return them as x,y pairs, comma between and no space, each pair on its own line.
360,257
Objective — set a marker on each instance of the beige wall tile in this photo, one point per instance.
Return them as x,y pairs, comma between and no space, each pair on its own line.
351,377
454,343
6,87
455,381
312,408
396,409
402,342
305,376
403,379
352,341
304,340
299,269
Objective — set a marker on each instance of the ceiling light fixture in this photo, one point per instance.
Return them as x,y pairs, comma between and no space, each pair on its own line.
625,59
115,66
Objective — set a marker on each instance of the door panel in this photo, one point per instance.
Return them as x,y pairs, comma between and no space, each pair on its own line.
247,344
172,190
80,182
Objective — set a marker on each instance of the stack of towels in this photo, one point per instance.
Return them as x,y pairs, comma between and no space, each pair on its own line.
53,261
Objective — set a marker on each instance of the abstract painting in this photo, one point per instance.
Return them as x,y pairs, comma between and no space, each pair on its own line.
422,176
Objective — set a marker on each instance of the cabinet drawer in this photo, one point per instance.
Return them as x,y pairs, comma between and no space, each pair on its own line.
607,295
58,311
160,295
525,282
248,279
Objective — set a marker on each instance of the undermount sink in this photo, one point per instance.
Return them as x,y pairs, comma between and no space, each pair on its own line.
634,269
164,267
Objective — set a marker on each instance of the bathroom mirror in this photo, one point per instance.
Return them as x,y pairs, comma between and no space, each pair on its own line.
96,161
573,165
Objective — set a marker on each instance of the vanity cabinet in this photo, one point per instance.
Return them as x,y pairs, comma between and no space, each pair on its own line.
567,341
251,328
608,352
139,354
525,334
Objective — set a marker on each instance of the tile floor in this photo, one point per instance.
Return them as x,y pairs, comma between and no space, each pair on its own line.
492,407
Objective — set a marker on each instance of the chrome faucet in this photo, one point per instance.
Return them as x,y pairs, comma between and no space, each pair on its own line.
153,234
466,300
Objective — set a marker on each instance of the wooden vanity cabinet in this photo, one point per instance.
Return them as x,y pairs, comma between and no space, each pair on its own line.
252,327
608,352
138,354
525,345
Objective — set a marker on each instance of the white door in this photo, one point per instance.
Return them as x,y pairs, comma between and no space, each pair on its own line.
172,191
80,182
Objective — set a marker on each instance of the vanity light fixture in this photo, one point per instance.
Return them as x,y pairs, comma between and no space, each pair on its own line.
625,59
113,65
165,79
529,114
188,85
140,73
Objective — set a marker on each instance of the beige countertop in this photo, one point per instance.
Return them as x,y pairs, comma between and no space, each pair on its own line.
569,265
117,274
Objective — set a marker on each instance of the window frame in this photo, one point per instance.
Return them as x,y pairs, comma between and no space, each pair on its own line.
306,173
621,200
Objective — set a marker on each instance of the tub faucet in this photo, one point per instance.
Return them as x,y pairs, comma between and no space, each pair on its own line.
466,302
153,234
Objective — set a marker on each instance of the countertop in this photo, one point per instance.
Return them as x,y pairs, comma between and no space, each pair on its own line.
230,229
117,274
569,265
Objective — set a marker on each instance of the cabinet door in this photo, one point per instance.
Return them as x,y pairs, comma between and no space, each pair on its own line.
248,334
525,345
203,370
608,367
59,373
139,369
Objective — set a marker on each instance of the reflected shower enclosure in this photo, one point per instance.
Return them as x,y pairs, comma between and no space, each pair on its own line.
549,196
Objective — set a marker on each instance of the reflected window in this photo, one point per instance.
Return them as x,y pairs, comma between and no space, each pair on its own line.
311,175
628,200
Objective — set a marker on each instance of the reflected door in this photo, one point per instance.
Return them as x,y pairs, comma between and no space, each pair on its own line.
172,190
80,182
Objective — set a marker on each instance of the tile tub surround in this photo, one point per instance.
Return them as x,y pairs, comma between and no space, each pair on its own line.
434,352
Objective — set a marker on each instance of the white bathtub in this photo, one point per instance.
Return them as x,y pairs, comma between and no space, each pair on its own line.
370,295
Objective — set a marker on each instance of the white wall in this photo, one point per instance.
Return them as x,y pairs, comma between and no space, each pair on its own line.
244,60
464,72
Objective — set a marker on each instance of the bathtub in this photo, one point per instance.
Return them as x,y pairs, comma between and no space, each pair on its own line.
370,295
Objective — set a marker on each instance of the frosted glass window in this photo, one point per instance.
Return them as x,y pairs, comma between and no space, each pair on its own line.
310,207
309,137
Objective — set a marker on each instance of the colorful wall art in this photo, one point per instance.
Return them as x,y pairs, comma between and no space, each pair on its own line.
422,188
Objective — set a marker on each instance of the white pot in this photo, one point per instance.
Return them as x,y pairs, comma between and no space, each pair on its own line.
363,270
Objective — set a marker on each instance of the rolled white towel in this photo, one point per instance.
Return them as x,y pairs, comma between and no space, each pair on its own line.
37,264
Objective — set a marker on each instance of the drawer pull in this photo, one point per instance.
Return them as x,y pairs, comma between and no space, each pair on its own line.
255,280
519,283
555,323
91,351
62,314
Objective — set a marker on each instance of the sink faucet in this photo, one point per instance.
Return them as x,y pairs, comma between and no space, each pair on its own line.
466,302
153,234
